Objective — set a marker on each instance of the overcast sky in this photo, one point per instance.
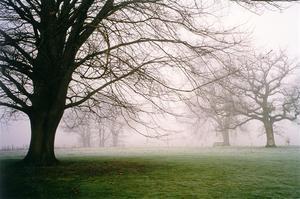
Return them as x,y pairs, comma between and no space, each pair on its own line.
278,30
271,30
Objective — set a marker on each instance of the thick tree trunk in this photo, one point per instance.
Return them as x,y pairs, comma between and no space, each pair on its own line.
43,129
269,134
51,76
45,115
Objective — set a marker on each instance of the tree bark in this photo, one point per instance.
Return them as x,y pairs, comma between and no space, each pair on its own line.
269,134
50,85
45,115
43,130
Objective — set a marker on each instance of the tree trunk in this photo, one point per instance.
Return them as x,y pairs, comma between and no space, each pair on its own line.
115,139
43,130
47,111
51,76
225,135
269,134
101,139
86,139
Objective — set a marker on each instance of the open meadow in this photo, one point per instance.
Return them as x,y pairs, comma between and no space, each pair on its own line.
157,173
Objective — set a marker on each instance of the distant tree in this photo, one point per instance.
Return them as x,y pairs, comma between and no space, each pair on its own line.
222,115
58,54
103,135
81,125
85,133
116,131
263,90
91,127
210,105
110,127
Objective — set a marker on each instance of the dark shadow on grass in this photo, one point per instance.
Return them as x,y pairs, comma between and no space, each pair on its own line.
61,181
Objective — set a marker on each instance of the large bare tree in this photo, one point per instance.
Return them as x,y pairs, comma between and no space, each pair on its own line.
60,54
264,90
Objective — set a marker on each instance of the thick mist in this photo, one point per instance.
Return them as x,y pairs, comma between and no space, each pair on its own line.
270,30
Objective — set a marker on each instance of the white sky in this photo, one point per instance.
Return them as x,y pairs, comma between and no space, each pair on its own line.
278,30
271,30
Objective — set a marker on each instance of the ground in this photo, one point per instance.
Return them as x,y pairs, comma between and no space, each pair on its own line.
157,173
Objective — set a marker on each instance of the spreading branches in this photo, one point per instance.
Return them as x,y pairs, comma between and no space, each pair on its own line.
266,91
59,54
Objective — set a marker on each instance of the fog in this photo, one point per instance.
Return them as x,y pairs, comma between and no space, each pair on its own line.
270,30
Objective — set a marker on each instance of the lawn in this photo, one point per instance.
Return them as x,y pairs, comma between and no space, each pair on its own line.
157,173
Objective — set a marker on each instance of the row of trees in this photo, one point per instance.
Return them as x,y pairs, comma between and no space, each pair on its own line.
61,55
107,131
263,89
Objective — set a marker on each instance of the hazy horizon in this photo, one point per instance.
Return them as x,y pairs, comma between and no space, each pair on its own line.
272,30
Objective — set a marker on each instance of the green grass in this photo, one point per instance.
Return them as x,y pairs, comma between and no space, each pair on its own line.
158,173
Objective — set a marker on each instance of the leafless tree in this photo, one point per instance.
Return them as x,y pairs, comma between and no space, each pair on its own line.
217,110
116,132
59,54
56,55
103,135
91,126
111,126
80,124
263,90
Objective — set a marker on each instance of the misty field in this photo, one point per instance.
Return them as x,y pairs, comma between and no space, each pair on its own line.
157,173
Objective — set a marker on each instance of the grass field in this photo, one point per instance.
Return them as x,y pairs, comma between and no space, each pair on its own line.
157,173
